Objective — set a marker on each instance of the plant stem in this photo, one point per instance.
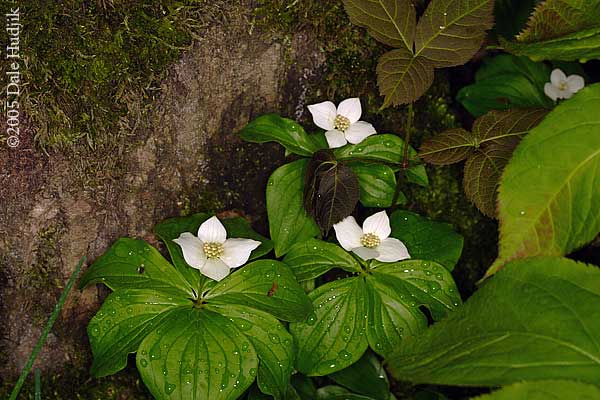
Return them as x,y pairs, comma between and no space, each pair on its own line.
404,165
46,331
38,385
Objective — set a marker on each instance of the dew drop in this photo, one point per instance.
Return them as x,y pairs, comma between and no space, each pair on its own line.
143,362
274,338
439,276
434,286
169,388
252,372
442,26
344,355
312,319
522,213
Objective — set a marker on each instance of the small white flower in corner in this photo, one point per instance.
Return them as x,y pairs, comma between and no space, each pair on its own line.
372,240
342,123
211,252
562,86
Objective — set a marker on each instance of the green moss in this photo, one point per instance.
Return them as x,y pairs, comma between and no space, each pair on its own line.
87,58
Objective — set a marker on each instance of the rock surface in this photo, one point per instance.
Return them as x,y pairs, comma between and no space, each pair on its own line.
184,156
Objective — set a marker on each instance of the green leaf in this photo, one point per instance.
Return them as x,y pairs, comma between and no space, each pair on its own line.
555,18
389,21
402,77
544,390
377,184
197,354
134,264
547,199
366,376
273,345
332,392
385,148
396,291
450,32
333,337
288,133
288,221
582,46
538,318
449,147
331,190
426,239
505,82
236,227
311,259
125,318
266,285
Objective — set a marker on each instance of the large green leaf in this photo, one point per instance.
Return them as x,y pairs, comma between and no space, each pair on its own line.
582,46
125,318
272,343
366,376
333,337
385,148
288,221
396,291
426,239
545,390
548,199
450,32
390,21
266,285
273,128
134,264
504,82
311,259
377,184
197,354
538,318
236,227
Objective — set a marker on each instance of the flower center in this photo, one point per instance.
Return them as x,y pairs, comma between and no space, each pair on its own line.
563,85
213,250
370,240
341,123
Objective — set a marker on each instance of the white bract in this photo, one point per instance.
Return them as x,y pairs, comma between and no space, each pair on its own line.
372,240
562,86
211,252
342,123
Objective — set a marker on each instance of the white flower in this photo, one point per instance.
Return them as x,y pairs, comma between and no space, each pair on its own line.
372,241
342,123
562,86
211,252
